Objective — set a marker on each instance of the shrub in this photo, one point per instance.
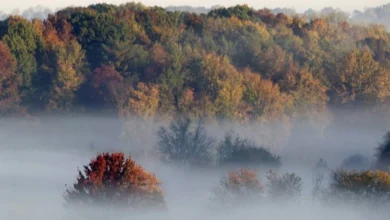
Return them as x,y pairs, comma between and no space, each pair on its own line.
281,187
383,153
239,188
355,162
372,187
234,150
111,181
185,143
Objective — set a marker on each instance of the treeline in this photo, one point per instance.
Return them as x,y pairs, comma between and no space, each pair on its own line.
233,63
374,15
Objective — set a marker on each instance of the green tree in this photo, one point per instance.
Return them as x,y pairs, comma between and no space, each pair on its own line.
23,43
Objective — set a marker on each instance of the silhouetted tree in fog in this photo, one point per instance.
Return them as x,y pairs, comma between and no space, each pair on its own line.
185,141
284,187
383,153
320,172
321,165
235,150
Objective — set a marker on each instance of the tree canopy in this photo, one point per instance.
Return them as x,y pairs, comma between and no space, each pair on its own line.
235,63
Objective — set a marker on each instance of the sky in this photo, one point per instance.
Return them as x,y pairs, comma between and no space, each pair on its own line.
299,5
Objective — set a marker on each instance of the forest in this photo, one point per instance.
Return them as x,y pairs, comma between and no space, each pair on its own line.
221,113
233,63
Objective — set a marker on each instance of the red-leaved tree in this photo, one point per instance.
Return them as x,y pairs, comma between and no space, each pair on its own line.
112,181
9,92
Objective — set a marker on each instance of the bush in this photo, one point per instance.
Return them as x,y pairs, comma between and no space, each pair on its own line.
239,188
372,187
185,143
111,181
234,150
383,153
355,162
281,187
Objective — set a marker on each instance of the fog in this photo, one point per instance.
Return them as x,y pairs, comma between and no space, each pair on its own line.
300,5
40,156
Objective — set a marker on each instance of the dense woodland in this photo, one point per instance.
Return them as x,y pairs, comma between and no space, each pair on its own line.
233,63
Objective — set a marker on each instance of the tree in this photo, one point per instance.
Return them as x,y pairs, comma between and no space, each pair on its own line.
320,172
143,101
64,64
112,181
357,187
223,83
185,142
239,188
238,151
360,80
23,43
68,75
281,187
101,83
9,92
95,30
127,57
309,96
263,98
383,153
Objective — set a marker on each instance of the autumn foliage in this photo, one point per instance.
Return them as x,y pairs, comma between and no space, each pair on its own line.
9,91
359,187
112,180
237,63
239,188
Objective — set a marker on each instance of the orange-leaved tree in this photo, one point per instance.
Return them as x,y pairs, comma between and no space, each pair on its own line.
239,188
111,180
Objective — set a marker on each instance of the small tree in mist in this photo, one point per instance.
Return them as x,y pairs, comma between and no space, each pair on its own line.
354,187
288,186
356,162
239,188
111,181
185,142
320,171
235,150
383,153
321,165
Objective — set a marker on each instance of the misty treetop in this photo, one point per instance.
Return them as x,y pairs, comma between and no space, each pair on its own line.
233,63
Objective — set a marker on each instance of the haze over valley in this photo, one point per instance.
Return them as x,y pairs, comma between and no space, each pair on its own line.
135,111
